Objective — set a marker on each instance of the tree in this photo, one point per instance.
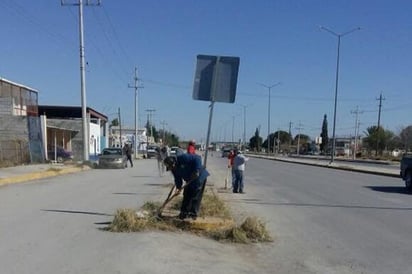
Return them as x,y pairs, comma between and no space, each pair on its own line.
406,137
255,143
115,122
324,135
301,141
378,139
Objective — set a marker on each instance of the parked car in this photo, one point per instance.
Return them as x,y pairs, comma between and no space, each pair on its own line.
174,151
58,154
112,158
152,151
406,170
226,151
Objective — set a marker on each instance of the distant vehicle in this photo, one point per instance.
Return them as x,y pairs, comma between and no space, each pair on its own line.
59,154
152,151
406,170
340,152
112,158
226,151
174,151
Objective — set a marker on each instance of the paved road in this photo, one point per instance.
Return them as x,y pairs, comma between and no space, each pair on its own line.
329,220
52,226
323,220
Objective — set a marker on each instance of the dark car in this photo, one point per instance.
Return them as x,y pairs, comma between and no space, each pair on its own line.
59,154
112,158
406,170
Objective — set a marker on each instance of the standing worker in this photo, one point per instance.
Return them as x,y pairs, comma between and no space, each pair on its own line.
239,167
230,165
162,153
128,151
188,167
191,149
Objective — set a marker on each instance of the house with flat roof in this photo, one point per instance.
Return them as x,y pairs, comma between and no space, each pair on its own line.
20,130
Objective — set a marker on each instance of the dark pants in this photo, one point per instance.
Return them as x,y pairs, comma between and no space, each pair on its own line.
238,186
129,159
192,196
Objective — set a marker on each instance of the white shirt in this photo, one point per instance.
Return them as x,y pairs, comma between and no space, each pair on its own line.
239,162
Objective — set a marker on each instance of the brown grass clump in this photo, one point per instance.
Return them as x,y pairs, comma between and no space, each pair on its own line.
251,230
212,206
130,220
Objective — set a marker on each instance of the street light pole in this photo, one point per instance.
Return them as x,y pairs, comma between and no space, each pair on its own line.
136,112
339,35
269,88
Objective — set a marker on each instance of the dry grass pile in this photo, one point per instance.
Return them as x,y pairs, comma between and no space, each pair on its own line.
130,220
251,230
214,207
211,206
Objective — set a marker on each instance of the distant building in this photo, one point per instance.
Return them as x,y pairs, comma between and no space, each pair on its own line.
20,131
118,136
345,146
63,127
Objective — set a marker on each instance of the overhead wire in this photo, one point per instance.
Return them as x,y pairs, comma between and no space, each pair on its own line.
23,13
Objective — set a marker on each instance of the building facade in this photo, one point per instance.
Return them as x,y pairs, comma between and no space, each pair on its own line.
20,130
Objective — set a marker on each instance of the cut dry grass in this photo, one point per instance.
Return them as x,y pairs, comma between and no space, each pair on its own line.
252,230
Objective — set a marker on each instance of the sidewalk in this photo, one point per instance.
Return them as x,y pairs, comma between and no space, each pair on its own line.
23,173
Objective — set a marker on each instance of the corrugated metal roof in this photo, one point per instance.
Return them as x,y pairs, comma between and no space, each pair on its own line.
18,85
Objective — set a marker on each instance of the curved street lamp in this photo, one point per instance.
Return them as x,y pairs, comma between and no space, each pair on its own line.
269,88
339,35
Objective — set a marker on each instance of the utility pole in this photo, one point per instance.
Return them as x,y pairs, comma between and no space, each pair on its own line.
149,119
380,109
379,122
233,129
163,123
120,128
356,112
290,135
136,122
85,131
244,127
278,139
298,128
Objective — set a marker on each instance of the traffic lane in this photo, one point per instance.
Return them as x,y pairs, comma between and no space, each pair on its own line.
354,219
59,221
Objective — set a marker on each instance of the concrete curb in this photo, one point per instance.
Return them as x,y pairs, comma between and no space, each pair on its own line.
51,172
333,166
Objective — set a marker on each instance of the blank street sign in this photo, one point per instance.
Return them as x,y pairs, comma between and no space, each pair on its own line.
216,78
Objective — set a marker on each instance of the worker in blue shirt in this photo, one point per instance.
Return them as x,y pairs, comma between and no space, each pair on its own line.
188,167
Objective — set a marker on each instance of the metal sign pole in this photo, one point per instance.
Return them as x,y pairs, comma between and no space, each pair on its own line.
208,132
212,99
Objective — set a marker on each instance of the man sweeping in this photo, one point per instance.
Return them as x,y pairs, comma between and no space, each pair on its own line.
188,167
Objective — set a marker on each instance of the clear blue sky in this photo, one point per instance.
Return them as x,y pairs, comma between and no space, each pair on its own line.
277,41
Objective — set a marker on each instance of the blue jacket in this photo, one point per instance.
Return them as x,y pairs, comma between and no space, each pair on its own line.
186,166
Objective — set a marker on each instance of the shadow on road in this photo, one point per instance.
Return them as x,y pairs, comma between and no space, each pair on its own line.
390,189
76,212
251,201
